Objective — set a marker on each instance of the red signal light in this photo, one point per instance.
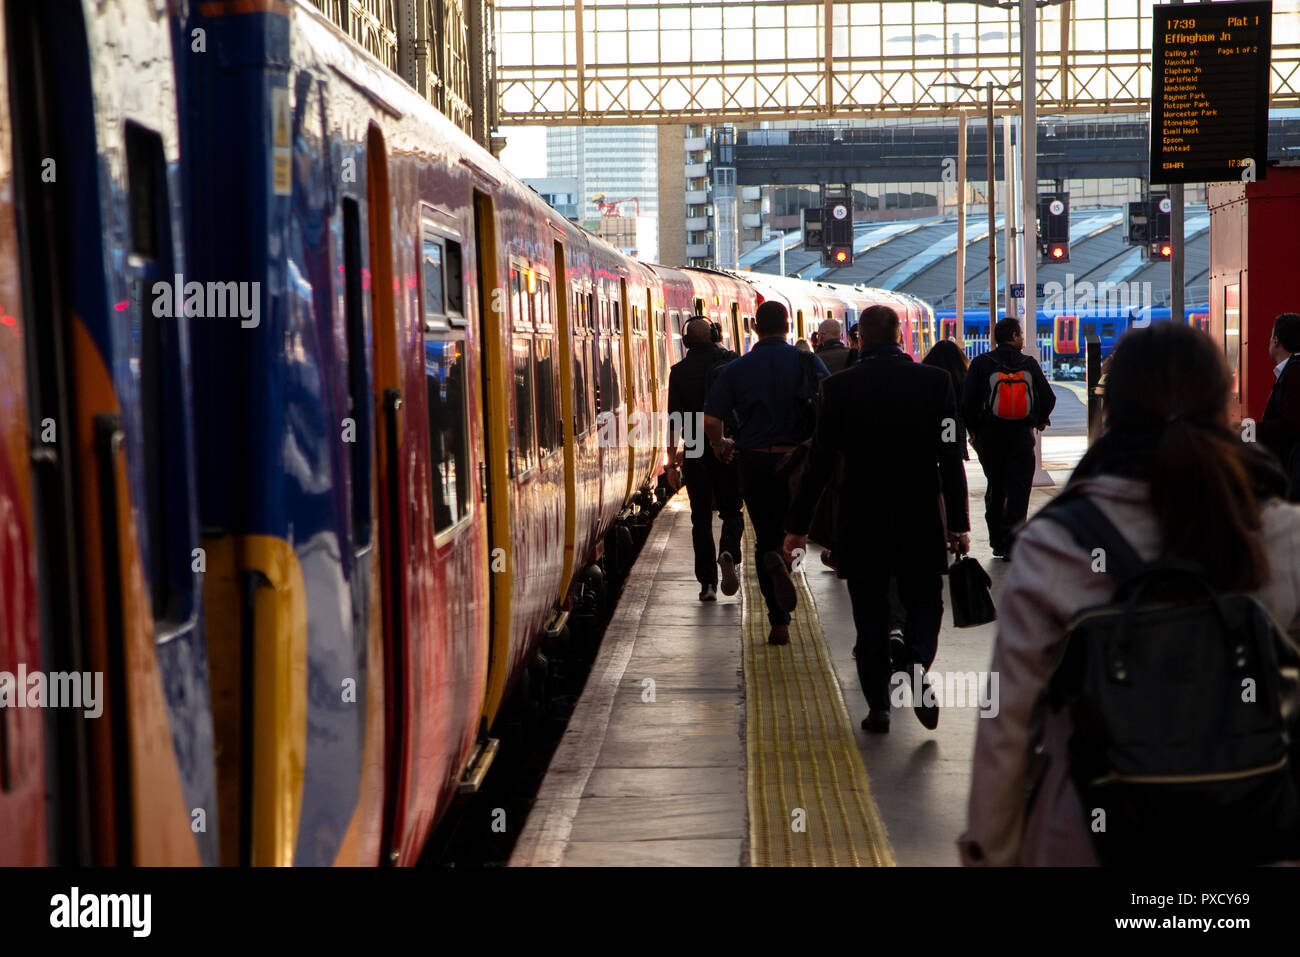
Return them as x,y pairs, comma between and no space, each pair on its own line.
1058,252
1166,250
841,256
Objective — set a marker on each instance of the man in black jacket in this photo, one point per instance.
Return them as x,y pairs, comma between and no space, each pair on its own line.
830,348
1279,428
902,474
1005,398
770,394
708,481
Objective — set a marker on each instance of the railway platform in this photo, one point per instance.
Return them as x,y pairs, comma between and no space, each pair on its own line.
697,744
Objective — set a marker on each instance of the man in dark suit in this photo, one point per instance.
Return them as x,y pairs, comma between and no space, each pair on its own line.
902,474
709,482
1279,428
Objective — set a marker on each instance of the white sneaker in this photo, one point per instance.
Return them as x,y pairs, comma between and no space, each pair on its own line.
708,593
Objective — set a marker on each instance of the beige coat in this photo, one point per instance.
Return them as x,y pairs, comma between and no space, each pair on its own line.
1049,581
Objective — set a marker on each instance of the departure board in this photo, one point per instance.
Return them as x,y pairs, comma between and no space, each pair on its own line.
1209,91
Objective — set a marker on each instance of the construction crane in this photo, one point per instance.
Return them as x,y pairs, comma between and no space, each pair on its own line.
609,208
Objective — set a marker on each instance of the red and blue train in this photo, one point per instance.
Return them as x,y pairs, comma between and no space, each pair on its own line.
314,427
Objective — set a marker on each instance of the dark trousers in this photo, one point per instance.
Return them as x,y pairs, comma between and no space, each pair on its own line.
1007,456
709,483
767,498
922,597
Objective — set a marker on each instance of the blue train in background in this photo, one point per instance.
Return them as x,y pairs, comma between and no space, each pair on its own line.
1061,339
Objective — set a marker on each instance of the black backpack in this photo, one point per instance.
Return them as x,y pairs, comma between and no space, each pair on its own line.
1182,748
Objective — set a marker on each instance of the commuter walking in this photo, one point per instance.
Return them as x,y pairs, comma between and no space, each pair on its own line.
949,357
772,391
1279,428
903,474
837,357
830,346
709,482
1202,771
1004,399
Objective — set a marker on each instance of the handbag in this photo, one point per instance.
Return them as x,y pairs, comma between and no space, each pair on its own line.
972,602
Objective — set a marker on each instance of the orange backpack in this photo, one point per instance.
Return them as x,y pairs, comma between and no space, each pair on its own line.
1011,394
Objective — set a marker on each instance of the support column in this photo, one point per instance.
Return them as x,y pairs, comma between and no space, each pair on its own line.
1029,200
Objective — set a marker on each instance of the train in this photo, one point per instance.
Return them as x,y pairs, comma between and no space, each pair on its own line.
305,436
1062,338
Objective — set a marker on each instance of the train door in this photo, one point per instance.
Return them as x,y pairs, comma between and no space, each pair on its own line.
368,577
632,396
1066,335
498,390
658,376
570,398
449,668
389,485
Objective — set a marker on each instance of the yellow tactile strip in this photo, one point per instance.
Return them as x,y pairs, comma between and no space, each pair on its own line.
809,800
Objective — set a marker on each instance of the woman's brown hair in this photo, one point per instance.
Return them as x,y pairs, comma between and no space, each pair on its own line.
1171,382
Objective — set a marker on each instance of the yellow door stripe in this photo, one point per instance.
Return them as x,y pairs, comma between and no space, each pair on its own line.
810,802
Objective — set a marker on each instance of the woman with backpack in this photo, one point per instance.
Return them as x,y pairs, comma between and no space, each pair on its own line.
1153,730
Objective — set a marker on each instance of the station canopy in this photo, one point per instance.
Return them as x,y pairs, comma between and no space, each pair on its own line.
708,61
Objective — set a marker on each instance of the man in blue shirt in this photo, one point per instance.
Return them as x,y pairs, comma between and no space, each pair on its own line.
769,397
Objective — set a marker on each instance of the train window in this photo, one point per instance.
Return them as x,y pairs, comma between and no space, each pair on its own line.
607,400
455,282
358,377
542,304
444,378
1089,328
443,280
1107,329
1044,330
661,347
618,320
525,449
434,301
520,309
548,415
581,390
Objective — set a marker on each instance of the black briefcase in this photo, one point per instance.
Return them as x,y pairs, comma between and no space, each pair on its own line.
972,603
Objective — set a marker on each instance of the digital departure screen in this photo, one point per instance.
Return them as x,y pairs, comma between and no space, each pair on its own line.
1209,91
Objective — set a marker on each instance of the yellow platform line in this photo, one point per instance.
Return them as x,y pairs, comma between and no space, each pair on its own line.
809,799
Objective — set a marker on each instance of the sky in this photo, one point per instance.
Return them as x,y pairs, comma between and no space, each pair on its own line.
525,151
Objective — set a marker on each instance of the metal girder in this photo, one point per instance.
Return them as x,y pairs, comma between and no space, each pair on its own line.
641,61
